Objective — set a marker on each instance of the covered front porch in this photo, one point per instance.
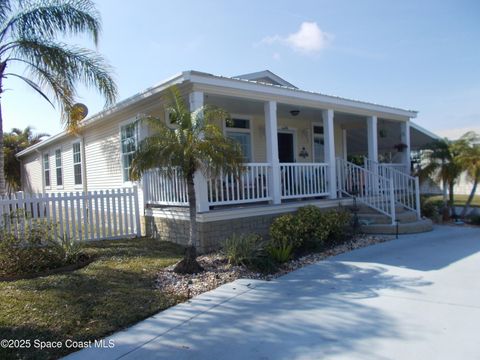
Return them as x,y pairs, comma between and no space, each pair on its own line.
291,149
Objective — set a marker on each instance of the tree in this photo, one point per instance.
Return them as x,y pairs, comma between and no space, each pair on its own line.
470,158
29,32
442,163
195,145
14,142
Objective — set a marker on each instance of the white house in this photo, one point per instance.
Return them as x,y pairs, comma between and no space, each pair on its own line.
297,146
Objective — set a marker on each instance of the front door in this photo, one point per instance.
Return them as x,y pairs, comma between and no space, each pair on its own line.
286,152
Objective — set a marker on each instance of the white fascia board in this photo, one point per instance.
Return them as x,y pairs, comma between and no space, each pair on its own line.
113,110
302,95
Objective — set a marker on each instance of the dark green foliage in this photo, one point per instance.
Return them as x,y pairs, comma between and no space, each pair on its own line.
36,251
432,209
310,229
475,220
240,249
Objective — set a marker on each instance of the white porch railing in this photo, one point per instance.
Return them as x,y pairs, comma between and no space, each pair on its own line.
163,188
250,186
367,186
406,187
300,180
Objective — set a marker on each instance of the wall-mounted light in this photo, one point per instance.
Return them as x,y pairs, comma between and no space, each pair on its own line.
294,112
303,153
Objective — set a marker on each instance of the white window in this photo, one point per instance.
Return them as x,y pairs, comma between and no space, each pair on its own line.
318,144
58,167
77,163
46,170
129,146
239,130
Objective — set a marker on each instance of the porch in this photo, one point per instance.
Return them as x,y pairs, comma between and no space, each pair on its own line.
292,151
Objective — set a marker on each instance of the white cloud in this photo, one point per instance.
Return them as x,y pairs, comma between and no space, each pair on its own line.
308,39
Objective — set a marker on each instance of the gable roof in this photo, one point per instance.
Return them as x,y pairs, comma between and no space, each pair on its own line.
266,77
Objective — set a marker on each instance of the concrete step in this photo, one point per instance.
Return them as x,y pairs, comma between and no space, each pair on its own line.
364,209
377,218
418,226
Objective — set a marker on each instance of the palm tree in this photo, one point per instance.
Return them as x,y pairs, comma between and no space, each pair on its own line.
194,145
470,158
442,163
14,142
28,36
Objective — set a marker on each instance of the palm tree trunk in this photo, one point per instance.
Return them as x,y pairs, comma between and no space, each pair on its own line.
451,199
470,197
2,153
189,264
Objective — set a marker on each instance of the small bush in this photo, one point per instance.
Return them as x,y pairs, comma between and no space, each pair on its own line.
36,251
432,209
475,220
240,249
284,230
281,253
335,224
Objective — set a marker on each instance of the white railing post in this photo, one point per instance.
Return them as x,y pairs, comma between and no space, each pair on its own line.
271,133
329,139
138,229
392,199
201,191
417,198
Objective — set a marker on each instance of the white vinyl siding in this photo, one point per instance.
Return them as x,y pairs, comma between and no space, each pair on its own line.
46,170
58,168
128,138
77,163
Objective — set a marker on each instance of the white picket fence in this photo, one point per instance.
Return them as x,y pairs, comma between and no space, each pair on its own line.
93,215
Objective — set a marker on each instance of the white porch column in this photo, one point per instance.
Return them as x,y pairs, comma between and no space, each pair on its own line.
344,144
372,138
271,138
200,182
405,138
329,148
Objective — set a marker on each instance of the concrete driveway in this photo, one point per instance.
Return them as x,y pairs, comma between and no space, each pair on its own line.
417,297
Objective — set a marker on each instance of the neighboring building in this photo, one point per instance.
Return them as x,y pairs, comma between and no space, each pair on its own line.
290,139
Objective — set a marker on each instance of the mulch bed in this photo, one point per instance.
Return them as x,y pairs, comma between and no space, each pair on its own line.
218,271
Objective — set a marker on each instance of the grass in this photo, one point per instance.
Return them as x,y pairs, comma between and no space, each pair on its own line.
460,200
113,292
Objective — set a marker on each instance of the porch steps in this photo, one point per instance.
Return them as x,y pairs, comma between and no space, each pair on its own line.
373,222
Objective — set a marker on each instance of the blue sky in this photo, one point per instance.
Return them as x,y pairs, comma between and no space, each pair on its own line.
420,55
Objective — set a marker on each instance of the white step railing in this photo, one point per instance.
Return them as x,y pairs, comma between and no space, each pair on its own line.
162,187
406,187
367,186
250,186
301,180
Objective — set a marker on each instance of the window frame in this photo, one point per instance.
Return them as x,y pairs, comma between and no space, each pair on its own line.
122,125
249,131
318,124
59,186
46,170
77,185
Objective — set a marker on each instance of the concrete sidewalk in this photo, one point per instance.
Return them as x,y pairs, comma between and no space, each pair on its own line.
417,297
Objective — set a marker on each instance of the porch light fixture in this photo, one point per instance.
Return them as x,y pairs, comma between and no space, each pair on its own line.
303,153
294,112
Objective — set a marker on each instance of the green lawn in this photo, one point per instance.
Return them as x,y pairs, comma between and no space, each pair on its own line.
460,200
113,292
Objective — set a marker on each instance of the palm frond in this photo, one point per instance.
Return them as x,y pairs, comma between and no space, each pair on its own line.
49,18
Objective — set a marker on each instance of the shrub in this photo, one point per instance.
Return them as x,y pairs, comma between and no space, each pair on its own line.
475,219
335,225
36,251
284,230
432,209
280,252
240,249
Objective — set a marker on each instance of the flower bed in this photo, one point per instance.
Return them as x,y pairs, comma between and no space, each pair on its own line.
218,271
